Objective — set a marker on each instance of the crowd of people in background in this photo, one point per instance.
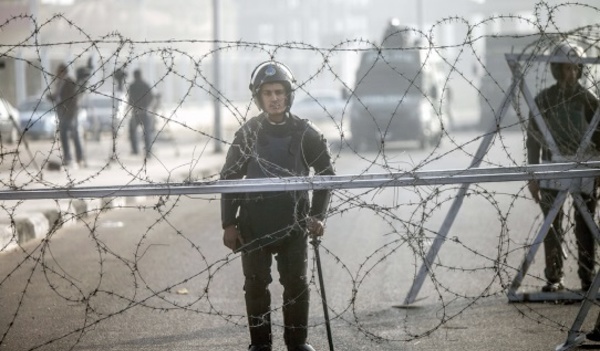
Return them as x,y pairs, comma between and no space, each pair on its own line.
67,98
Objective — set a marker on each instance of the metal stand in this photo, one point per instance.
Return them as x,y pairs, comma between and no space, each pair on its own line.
571,186
574,189
574,336
458,200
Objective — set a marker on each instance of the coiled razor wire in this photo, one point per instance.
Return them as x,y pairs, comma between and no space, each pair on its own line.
400,195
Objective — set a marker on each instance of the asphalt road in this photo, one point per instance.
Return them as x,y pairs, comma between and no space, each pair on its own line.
155,276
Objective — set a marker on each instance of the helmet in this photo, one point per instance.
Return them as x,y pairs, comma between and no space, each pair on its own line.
566,50
271,72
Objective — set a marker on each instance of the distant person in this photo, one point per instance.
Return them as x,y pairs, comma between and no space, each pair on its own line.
448,107
275,144
65,98
567,108
140,98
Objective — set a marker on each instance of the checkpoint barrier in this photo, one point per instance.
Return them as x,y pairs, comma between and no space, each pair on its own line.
573,187
554,171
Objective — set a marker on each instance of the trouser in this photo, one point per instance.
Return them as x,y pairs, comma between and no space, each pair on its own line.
291,256
68,129
586,246
141,118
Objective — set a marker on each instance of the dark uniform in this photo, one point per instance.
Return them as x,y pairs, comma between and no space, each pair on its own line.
567,115
66,99
274,223
140,97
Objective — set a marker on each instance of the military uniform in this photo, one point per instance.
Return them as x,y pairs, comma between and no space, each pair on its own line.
567,115
274,223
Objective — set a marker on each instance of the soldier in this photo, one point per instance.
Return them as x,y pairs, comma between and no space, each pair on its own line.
567,108
66,98
275,143
140,98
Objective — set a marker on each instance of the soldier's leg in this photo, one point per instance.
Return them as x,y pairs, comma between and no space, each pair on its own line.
292,263
256,265
553,240
586,244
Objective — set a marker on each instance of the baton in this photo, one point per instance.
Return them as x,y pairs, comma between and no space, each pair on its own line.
315,243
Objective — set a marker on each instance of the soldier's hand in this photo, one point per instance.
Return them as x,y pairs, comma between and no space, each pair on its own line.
534,189
232,238
315,227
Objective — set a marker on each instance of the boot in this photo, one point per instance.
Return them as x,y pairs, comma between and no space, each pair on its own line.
295,318
259,319
594,335
259,348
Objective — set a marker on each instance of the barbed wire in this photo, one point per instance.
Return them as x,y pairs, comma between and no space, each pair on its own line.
390,230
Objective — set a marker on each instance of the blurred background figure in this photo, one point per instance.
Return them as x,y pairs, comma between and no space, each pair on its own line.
65,98
140,98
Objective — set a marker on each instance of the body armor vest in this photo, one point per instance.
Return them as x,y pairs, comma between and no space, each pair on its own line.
568,125
267,217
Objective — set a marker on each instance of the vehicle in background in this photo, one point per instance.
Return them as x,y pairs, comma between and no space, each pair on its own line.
325,109
9,117
396,96
105,113
38,118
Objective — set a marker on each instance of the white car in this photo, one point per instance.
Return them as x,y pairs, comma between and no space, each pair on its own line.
38,118
9,117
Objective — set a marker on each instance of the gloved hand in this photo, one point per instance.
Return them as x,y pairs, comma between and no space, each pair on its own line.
232,238
315,227
534,189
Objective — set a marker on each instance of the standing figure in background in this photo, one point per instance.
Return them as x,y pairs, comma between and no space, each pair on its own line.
140,98
66,102
567,109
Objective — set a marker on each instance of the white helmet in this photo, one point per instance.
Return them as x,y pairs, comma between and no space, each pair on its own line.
563,50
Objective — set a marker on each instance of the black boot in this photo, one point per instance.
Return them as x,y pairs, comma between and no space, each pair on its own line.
260,331
295,318
259,348
259,318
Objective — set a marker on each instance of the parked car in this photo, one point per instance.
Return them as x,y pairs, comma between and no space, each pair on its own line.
9,117
325,109
38,118
105,112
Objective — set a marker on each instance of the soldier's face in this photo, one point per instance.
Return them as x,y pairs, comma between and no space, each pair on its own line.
569,73
273,98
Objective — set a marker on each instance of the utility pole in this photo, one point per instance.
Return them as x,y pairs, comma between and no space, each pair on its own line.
216,75
420,14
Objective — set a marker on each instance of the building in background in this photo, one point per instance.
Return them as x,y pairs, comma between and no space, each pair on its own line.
172,40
